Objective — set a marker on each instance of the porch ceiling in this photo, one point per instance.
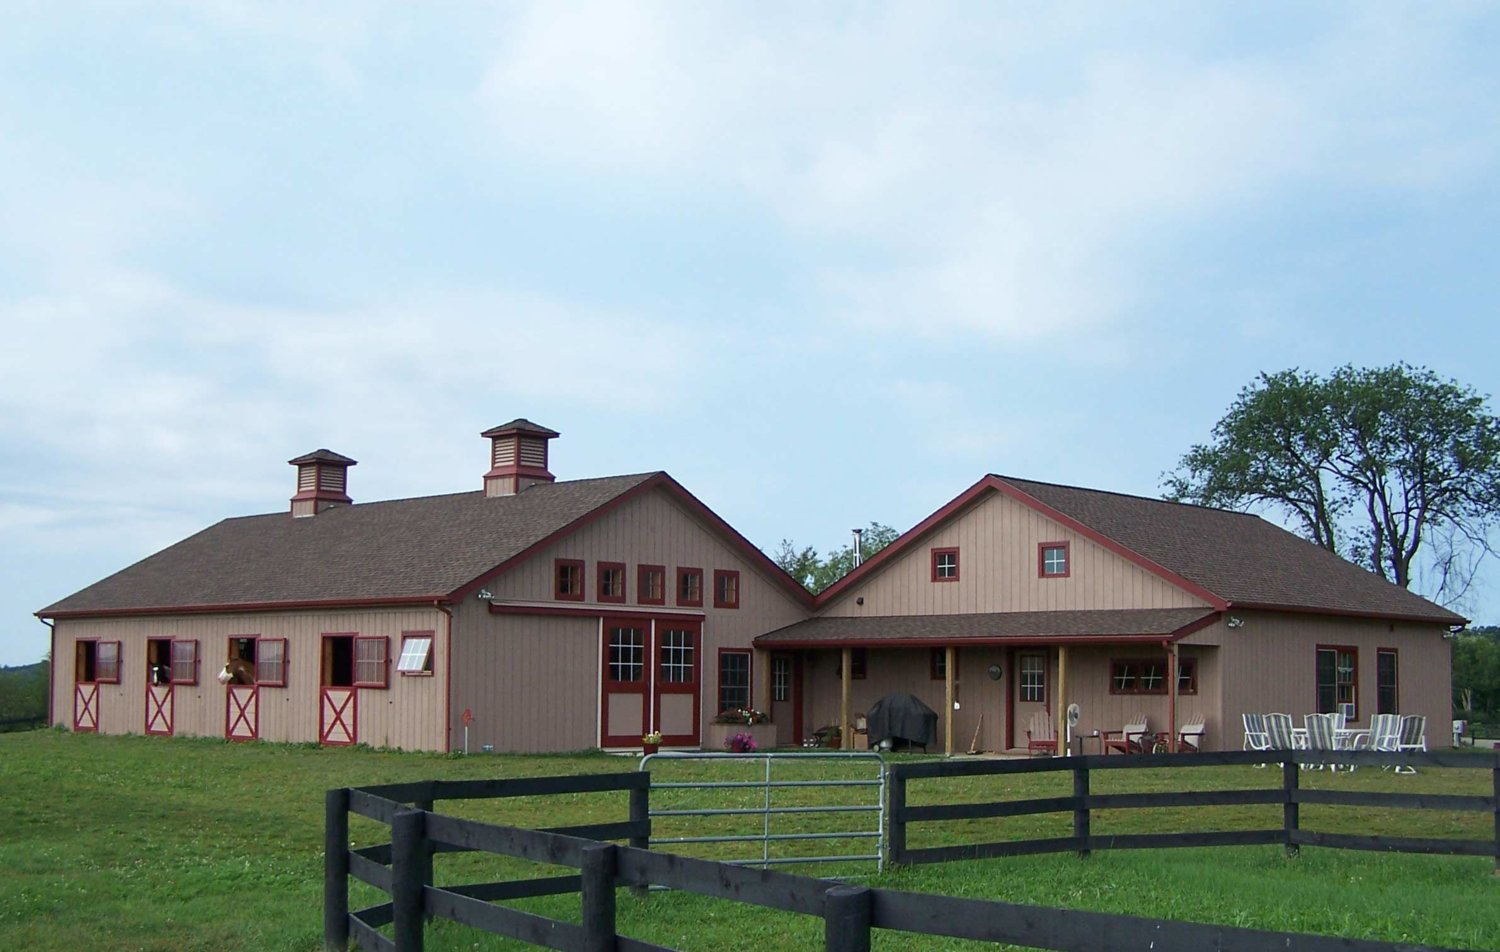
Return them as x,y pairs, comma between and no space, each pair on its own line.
1013,627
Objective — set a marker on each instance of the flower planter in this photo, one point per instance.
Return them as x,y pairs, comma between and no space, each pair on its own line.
649,749
715,736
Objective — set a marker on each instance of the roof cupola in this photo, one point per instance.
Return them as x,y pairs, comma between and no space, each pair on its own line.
322,482
518,457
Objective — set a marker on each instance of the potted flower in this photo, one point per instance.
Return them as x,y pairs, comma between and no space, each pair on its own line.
651,742
741,743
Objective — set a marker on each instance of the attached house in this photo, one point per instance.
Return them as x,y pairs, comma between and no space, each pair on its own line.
536,615
1021,597
532,615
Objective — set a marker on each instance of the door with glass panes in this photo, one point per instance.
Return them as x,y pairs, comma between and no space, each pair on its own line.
651,671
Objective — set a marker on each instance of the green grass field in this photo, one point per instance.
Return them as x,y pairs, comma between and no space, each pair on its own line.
157,844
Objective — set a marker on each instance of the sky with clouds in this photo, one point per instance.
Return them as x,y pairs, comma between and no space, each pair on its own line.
825,264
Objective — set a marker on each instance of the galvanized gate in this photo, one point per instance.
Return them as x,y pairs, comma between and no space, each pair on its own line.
775,795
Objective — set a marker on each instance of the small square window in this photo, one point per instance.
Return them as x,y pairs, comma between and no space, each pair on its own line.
651,584
1053,561
569,580
416,653
611,581
726,589
270,662
945,565
185,662
690,587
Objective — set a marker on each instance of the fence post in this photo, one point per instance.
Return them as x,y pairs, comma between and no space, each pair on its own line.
427,846
598,895
1495,805
640,817
896,844
1081,809
408,843
846,919
1289,810
336,870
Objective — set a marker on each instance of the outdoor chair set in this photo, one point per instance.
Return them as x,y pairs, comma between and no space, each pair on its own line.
1135,737
1389,733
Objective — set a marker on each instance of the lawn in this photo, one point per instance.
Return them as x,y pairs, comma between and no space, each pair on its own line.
175,844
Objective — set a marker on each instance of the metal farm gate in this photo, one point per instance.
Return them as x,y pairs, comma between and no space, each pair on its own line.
769,789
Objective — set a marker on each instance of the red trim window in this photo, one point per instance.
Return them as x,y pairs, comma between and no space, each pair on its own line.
1149,676
270,662
1053,560
611,581
1033,677
1387,684
185,661
567,579
937,664
372,657
1187,675
677,662
859,664
416,654
945,564
651,584
734,679
726,588
1336,671
690,587
107,662
627,654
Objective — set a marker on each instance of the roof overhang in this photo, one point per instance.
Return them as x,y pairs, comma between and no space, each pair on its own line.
227,608
1150,625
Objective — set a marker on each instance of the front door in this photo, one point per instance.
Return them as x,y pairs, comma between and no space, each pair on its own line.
623,711
675,688
159,699
786,698
1030,691
241,712
338,721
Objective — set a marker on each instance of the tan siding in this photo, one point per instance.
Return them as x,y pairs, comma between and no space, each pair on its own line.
407,715
650,530
1089,688
1268,665
997,540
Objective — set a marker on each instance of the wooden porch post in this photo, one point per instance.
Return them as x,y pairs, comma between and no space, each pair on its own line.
949,658
763,661
1172,696
1060,715
846,739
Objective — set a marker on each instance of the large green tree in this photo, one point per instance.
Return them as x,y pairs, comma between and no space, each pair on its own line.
818,572
1476,672
1393,467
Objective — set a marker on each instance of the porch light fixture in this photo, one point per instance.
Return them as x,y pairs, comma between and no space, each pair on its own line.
1234,622
484,595
994,672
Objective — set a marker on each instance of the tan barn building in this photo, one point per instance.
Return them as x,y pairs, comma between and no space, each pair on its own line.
547,615
1021,597
543,615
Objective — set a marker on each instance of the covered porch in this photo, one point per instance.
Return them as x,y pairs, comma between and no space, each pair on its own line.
989,675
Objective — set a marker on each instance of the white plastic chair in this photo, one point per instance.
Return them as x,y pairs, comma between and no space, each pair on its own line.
1322,735
1413,737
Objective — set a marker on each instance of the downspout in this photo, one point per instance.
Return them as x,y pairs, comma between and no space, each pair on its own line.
51,665
447,677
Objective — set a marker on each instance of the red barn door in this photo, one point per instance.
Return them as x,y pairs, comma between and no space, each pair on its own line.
242,712
86,707
676,687
338,721
626,660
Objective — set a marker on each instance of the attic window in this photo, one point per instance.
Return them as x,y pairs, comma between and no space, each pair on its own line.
690,587
651,588
945,565
1052,560
611,581
726,588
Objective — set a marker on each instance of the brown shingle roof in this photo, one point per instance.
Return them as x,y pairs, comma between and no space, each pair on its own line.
1110,624
404,548
1240,557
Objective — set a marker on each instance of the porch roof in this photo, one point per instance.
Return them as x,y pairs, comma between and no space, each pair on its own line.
1108,625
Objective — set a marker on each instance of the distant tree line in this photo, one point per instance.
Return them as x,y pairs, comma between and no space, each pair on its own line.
1476,675
23,695
817,572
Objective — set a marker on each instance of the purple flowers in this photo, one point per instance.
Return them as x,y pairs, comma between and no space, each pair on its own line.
741,743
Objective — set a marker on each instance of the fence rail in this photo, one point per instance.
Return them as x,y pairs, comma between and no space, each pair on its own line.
403,869
1289,794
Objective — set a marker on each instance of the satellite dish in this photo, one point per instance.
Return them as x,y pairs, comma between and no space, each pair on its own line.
1073,715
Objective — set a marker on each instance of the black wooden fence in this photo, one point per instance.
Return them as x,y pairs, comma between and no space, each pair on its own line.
403,869
1289,794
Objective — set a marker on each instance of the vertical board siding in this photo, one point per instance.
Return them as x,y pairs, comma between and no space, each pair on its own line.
407,715
1268,666
997,539
1089,688
556,705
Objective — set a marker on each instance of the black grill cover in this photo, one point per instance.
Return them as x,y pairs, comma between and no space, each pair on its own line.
901,717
